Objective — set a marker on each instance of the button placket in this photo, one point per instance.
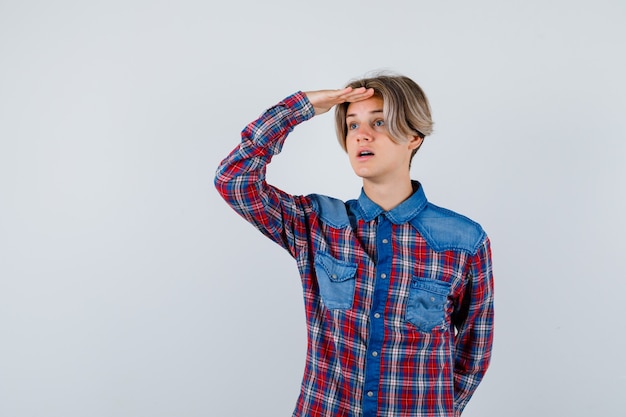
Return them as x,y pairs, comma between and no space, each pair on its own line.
375,343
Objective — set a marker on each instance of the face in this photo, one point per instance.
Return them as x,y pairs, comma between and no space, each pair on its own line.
374,156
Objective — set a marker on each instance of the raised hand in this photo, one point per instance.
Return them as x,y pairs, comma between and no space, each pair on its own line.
324,100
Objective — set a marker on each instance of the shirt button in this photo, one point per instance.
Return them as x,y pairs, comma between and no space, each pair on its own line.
377,315
334,276
370,394
374,354
383,276
385,241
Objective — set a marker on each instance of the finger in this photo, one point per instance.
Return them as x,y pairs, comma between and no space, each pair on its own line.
362,94
350,94
341,93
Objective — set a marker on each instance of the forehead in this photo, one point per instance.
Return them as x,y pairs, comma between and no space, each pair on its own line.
365,107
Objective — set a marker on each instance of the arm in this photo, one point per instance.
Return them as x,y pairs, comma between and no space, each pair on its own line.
475,333
240,178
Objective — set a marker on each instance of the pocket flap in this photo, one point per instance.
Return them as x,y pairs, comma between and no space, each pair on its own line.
431,285
336,270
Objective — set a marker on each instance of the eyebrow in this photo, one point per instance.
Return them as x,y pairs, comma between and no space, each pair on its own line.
372,112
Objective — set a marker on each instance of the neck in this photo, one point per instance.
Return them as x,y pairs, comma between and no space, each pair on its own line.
388,196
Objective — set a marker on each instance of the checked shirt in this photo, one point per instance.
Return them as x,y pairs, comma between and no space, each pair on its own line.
398,304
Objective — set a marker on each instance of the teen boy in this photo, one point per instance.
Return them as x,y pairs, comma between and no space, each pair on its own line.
398,292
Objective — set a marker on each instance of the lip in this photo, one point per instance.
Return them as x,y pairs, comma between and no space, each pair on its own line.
360,157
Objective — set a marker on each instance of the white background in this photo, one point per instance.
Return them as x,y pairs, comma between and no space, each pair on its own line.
129,288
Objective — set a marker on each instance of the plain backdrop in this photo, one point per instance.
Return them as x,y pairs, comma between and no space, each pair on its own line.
129,288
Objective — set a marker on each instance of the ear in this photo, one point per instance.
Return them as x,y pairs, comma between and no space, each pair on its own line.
415,142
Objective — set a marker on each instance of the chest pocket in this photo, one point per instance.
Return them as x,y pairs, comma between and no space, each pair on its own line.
337,280
426,307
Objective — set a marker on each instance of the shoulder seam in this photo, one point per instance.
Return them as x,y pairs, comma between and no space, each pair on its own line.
476,233
331,211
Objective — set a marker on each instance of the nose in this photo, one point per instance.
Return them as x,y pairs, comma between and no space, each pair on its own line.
363,134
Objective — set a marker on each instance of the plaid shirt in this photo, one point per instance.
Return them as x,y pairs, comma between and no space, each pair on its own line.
398,304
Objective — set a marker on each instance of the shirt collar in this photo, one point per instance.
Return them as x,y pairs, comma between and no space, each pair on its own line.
402,213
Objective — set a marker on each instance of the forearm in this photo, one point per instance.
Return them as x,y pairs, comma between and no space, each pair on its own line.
260,141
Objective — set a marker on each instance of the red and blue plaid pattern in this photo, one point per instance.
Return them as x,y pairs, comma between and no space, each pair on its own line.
411,331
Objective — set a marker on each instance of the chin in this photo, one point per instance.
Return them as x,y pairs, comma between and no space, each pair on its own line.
361,173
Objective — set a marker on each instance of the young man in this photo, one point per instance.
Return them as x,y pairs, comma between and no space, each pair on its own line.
398,292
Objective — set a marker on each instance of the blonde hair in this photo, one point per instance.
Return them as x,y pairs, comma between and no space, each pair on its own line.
405,108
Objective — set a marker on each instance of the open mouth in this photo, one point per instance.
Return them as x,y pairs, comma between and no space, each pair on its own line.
365,153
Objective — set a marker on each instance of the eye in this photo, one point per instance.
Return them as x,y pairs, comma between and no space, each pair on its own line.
352,126
379,123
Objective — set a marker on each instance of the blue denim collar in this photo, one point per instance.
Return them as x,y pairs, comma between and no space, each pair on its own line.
400,214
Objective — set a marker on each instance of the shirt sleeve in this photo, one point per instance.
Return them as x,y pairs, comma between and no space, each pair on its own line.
474,339
240,177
